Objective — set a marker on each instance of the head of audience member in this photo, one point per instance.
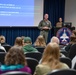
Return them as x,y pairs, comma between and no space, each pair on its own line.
15,56
46,17
18,41
40,42
51,55
74,32
54,39
23,39
27,41
72,39
2,39
60,19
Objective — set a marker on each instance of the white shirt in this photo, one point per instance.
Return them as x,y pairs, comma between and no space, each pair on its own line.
1,47
73,62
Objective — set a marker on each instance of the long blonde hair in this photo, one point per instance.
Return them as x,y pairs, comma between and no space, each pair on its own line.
51,55
40,41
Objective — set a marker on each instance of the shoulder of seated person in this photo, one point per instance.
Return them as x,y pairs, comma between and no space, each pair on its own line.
42,65
64,66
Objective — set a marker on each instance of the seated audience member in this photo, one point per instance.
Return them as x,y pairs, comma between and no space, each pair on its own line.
3,41
15,61
23,37
50,60
18,42
74,32
1,47
28,45
72,42
40,42
59,24
54,39
72,51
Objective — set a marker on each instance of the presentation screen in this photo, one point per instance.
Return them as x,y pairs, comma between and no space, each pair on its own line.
20,12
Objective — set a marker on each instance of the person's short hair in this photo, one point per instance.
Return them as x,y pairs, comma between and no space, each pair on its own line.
55,39
2,38
15,56
27,40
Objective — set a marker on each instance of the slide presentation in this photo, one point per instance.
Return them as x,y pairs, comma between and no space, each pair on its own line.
19,12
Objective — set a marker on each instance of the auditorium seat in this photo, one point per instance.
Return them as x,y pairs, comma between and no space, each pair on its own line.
66,60
72,51
2,56
63,72
40,49
64,52
32,63
1,50
16,73
7,47
36,55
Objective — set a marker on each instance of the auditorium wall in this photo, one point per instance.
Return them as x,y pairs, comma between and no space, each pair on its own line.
70,11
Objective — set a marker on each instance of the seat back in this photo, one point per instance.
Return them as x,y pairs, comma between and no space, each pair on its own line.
63,72
1,50
16,73
32,63
7,47
2,56
66,60
40,49
64,52
36,55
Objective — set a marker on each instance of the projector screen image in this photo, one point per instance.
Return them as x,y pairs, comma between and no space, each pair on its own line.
19,12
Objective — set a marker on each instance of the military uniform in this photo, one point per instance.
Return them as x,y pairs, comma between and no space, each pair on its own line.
59,24
44,32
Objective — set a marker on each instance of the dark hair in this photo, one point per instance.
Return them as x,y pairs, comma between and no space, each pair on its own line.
15,56
74,31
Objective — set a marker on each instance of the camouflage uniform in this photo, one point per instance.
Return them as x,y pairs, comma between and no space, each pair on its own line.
44,32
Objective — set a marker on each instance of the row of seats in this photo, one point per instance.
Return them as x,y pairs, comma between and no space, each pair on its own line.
57,72
40,49
37,56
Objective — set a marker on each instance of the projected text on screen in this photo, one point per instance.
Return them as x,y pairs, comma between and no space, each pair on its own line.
16,12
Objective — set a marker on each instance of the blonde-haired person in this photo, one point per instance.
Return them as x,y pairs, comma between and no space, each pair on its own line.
40,42
50,60
55,39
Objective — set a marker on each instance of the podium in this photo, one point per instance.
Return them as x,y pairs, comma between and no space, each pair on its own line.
63,33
